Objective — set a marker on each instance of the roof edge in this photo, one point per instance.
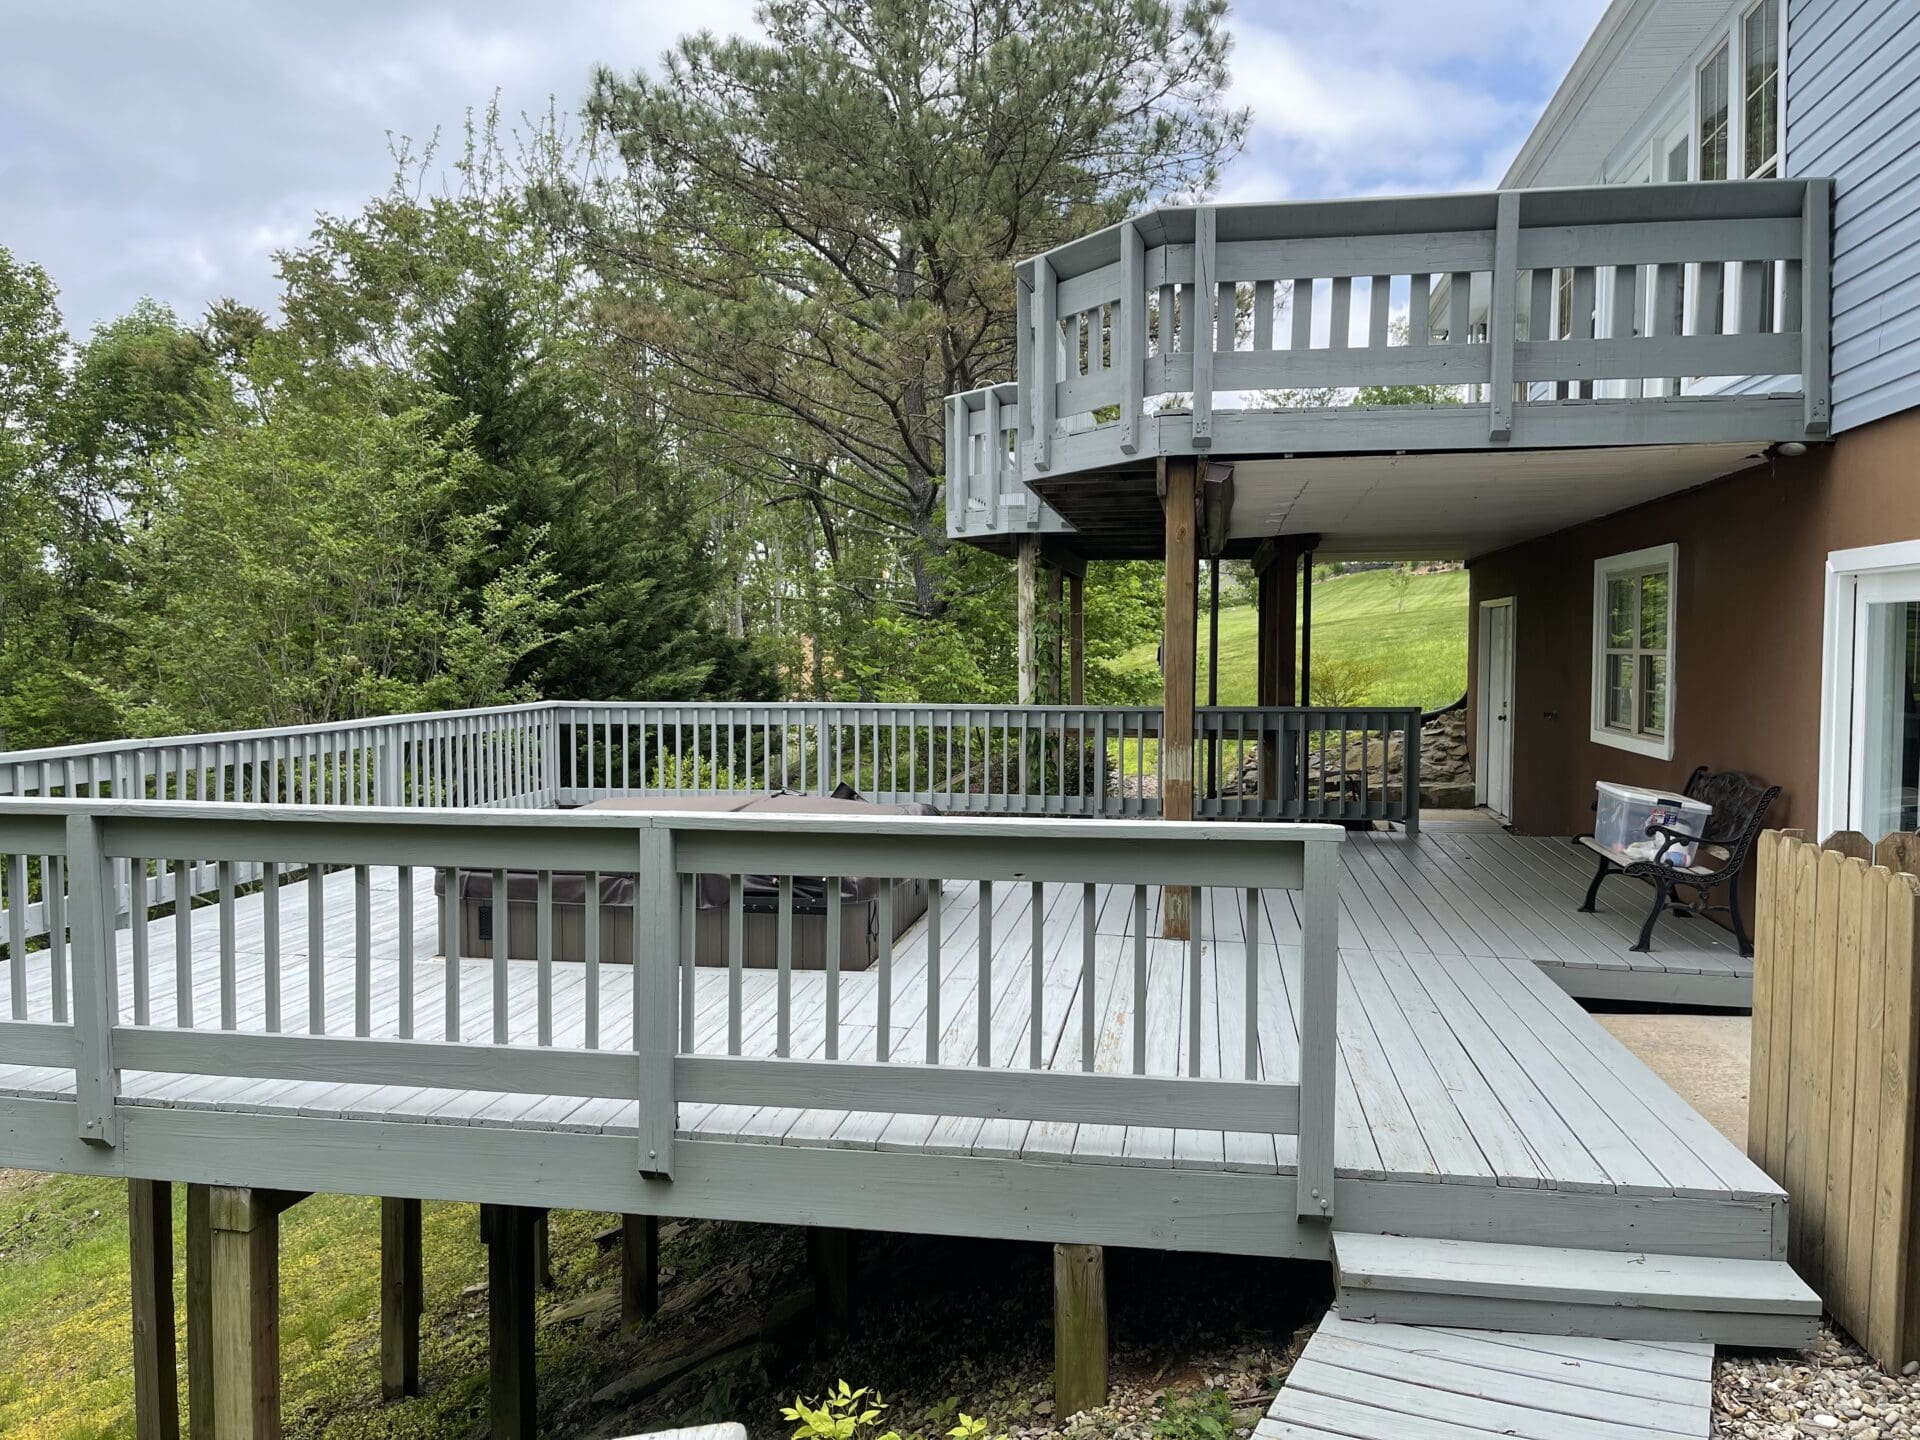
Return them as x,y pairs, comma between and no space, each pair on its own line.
1593,61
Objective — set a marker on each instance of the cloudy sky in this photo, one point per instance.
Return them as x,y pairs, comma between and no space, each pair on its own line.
169,147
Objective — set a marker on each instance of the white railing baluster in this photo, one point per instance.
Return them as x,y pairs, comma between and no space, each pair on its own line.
591,952
831,894
783,962
543,954
229,967
183,944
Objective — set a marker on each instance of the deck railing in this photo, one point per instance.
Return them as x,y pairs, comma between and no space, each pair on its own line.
303,978
1311,763
1612,315
1271,763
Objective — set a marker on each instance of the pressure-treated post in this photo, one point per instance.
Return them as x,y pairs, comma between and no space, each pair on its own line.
402,1298
156,1384
199,1312
512,1396
1076,638
1079,1329
1177,650
1056,633
830,1257
244,1272
639,1268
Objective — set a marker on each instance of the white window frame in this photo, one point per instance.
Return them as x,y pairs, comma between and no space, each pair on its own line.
1845,570
1637,561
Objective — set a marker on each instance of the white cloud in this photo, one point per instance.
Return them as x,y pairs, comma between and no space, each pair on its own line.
169,149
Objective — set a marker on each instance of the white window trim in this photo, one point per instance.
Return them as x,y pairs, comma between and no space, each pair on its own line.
1600,732
1845,570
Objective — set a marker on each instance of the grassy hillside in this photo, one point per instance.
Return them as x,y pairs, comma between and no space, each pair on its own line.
1406,638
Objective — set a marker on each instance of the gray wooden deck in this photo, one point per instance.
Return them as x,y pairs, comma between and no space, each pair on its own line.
1461,1064
1481,893
1417,1382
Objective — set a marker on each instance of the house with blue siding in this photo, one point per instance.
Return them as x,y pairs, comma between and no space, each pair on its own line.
1781,601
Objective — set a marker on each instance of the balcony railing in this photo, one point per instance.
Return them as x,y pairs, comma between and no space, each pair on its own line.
1613,315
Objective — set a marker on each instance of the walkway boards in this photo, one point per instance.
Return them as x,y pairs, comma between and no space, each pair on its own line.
1408,1382
1516,897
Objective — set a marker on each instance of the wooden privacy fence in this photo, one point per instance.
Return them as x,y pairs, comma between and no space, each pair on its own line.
1836,1039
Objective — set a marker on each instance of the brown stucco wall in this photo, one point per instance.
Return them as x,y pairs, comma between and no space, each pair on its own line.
1749,593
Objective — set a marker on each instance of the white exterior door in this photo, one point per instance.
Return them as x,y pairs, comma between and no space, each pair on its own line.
1494,772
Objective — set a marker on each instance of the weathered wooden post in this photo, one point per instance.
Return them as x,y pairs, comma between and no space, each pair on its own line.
830,1257
512,1405
1079,1329
1276,566
1077,636
1177,656
402,1298
639,1268
243,1271
199,1313
156,1385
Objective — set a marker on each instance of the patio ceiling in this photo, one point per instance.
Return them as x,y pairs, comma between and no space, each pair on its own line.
1428,506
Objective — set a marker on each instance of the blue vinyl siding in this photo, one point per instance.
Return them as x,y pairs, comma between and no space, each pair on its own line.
1853,112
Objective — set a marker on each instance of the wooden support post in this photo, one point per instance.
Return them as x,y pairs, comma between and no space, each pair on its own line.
1213,670
639,1268
1276,567
243,1233
1079,1329
512,1408
543,1251
830,1257
1177,649
1306,628
1076,639
156,1383
1027,559
402,1297
199,1313
1056,634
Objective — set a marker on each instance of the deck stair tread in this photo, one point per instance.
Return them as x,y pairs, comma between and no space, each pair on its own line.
1611,1294
1385,1381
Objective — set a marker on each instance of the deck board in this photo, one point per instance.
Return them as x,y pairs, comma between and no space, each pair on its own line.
1415,1382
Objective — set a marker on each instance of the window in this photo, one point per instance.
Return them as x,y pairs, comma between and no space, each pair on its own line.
1712,113
1633,651
1870,691
1760,52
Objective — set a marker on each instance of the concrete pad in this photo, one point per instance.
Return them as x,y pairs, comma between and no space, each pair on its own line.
1706,1058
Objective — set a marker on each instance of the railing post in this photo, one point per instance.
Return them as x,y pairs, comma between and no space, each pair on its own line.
1133,335
550,755
1319,1004
1038,376
656,967
1410,772
1198,332
1816,305
1500,315
96,985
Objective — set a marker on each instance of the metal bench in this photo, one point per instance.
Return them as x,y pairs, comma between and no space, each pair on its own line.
1739,806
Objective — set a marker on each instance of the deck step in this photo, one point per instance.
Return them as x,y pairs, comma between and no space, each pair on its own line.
1416,1382
1546,1291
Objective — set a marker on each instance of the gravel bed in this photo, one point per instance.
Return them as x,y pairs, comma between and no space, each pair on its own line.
1830,1389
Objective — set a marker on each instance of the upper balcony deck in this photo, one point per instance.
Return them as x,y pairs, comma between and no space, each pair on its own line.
1653,315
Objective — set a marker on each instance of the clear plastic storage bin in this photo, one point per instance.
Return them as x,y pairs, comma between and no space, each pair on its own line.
1625,812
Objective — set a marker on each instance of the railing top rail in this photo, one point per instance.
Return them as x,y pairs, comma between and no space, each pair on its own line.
275,732
1128,852
1069,830
1705,200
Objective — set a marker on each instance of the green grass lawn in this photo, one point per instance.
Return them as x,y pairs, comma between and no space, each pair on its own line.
1408,637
